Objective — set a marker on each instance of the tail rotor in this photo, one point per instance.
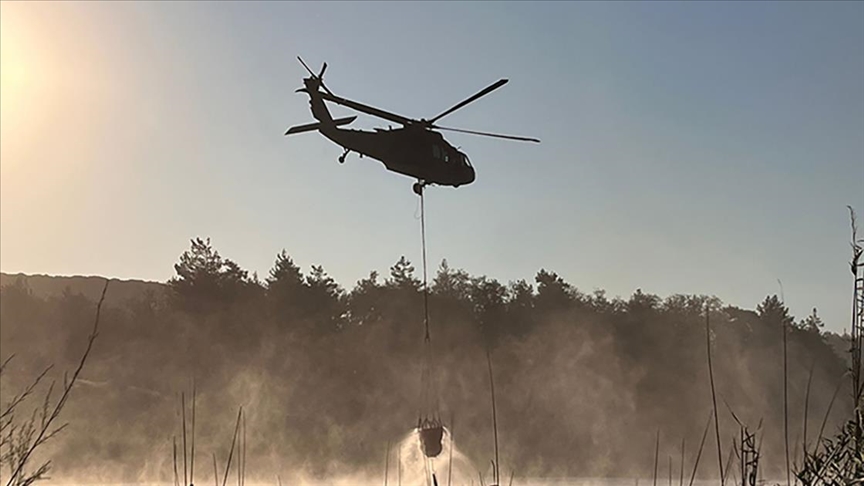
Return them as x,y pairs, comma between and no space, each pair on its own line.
319,77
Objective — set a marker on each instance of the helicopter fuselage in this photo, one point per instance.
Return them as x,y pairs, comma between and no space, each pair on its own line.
413,152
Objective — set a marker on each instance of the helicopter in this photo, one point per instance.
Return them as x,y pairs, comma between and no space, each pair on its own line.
415,149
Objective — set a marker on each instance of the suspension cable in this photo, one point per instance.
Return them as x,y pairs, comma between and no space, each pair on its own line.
425,282
429,397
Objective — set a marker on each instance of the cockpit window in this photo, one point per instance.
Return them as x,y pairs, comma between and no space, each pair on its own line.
465,160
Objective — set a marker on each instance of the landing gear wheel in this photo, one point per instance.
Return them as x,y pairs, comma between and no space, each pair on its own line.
418,188
342,159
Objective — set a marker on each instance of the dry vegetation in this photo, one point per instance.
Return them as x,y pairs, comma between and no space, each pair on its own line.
839,460
23,434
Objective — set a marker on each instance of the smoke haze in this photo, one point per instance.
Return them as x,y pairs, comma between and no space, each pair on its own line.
328,377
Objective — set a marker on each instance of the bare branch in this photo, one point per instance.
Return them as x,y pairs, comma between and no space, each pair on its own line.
23,395
44,434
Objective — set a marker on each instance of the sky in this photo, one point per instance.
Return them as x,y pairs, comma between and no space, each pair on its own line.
697,148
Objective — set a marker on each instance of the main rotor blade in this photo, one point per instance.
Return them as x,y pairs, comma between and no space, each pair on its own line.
485,134
305,66
369,110
489,89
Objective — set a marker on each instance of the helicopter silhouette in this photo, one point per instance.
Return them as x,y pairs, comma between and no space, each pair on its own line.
415,150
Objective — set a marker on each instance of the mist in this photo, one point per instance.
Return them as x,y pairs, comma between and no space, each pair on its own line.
330,379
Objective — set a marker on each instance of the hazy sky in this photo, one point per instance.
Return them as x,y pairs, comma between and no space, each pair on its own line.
686,147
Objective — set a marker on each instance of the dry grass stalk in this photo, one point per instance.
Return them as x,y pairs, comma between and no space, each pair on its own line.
670,470
185,459
713,392
732,451
176,479
494,415
192,456
233,444
656,455
188,454
450,460
386,463
749,457
749,451
857,309
784,329
806,407
699,454
243,455
827,414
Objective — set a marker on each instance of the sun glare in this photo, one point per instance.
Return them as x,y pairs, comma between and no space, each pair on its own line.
13,72
16,83
12,68
24,82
